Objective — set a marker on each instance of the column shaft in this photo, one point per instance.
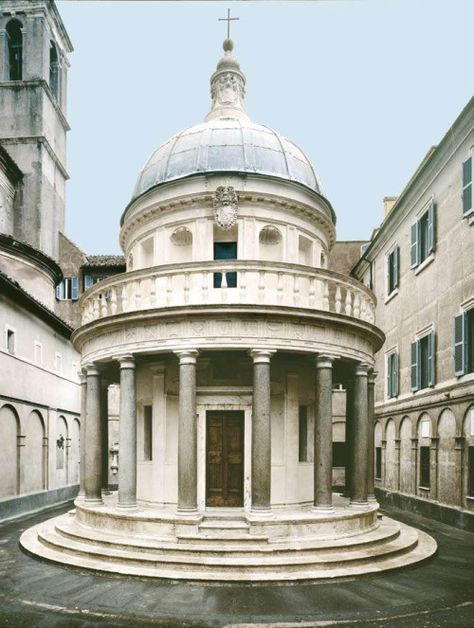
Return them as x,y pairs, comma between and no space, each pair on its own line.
261,431
360,437
323,435
93,471
127,473
187,432
104,417
82,437
371,438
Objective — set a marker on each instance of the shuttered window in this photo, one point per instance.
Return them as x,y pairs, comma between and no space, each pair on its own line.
423,236
467,176
464,343
68,289
425,467
423,362
392,375
393,270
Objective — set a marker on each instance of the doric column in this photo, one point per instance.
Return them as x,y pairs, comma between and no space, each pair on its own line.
93,459
323,435
349,435
371,437
261,431
187,432
127,473
360,436
104,417
82,436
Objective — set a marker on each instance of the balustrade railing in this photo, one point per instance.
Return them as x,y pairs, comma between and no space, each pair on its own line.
228,282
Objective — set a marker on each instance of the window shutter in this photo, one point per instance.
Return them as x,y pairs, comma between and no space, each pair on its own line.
431,227
467,176
388,274
389,376
75,288
58,291
88,282
431,359
414,246
460,344
415,361
396,267
395,375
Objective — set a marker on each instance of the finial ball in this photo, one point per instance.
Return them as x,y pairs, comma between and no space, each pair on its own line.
228,45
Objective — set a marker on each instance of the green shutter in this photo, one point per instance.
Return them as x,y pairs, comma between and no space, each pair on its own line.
467,176
396,267
389,373
415,364
460,344
395,375
431,359
431,227
414,249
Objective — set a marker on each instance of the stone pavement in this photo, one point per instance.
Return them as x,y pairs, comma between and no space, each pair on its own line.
436,593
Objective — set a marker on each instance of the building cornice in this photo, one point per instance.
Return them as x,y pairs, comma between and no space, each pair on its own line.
32,255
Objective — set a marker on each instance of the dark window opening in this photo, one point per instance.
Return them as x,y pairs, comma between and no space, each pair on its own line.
303,434
470,340
424,353
11,341
378,463
470,473
425,467
225,251
15,50
424,240
393,262
147,432
467,186
54,70
339,454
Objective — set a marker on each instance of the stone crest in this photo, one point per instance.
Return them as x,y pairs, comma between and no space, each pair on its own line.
225,207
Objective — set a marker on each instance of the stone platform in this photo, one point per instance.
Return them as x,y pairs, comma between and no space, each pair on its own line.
228,545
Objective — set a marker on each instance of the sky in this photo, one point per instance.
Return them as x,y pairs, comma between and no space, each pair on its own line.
364,87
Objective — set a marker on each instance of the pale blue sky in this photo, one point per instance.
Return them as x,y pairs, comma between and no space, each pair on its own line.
365,87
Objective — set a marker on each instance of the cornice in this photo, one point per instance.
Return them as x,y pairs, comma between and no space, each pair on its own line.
36,257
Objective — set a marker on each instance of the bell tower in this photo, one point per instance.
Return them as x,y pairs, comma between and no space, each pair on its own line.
34,46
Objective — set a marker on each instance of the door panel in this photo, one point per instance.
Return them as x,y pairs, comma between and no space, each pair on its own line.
224,458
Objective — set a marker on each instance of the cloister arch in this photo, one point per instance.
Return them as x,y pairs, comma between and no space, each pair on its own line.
10,431
35,457
407,475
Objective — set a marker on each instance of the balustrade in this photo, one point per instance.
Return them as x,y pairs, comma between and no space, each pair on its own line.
233,282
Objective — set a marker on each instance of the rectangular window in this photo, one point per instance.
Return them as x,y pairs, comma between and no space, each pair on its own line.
38,353
378,463
423,362
225,251
68,289
303,434
470,472
467,176
464,343
392,375
423,236
425,467
339,458
10,340
147,433
393,269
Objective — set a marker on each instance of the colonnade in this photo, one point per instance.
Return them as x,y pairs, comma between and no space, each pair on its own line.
359,434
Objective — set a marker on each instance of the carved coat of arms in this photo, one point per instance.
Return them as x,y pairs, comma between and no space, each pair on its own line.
225,207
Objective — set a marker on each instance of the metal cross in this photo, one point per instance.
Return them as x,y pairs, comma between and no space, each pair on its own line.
228,19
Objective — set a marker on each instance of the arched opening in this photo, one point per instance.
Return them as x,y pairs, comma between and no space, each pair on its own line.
468,472
447,473
62,442
75,451
14,50
378,451
391,466
424,454
407,476
9,429
54,70
35,453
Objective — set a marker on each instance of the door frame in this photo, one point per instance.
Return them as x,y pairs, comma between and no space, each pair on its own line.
217,398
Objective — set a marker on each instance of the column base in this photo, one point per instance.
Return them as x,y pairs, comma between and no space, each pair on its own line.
93,501
126,506
323,510
187,512
372,499
359,504
261,513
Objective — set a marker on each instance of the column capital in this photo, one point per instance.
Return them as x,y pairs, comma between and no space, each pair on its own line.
324,360
261,356
362,369
126,361
372,377
187,356
91,369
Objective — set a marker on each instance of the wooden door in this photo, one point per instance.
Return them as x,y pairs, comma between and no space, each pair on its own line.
225,458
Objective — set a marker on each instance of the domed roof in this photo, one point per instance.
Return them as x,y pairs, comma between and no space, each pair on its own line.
227,145
227,141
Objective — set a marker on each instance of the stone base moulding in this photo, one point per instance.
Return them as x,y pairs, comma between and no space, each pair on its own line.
294,544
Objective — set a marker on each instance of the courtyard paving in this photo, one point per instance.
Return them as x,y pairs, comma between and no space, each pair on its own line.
436,593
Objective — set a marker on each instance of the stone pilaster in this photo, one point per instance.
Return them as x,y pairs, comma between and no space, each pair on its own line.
127,473
323,435
371,437
187,432
261,431
93,471
360,436
82,436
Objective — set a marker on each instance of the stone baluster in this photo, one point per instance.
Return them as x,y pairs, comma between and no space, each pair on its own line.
312,293
113,301
205,286
338,301
348,303
187,432
296,290
261,287
169,289
323,435
325,295
280,282
356,312
124,298
153,291
261,431
138,293
243,286
96,310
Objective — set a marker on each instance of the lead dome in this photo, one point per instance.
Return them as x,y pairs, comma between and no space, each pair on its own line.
227,141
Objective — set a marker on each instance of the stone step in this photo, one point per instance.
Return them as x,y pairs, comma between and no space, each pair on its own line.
424,548
179,559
